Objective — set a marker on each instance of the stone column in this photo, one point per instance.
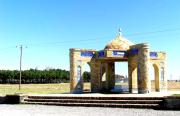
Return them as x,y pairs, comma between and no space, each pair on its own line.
106,82
72,70
112,76
144,82
132,72
110,73
103,76
95,76
75,76
107,71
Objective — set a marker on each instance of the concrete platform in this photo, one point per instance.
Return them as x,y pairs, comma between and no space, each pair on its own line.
152,94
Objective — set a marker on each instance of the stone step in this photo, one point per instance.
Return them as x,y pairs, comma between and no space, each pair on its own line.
96,98
97,104
95,101
107,101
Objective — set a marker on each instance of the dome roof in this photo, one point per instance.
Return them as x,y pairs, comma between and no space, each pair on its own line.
119,43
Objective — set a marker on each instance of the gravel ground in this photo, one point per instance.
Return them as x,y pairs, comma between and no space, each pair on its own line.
40,110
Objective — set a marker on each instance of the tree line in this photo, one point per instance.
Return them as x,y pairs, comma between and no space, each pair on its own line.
38,76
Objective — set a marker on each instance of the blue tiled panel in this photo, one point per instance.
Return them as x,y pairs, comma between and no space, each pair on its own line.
153,54
134,51
119,53
101,54
87,54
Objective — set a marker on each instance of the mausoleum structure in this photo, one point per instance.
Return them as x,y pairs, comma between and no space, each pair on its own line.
102,66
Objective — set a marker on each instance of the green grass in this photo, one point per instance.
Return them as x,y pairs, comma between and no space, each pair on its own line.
59,88
34,88
176,95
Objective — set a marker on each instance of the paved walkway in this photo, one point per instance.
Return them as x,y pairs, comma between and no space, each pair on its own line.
40,110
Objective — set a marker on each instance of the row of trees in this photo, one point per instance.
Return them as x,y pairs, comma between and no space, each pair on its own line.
37,76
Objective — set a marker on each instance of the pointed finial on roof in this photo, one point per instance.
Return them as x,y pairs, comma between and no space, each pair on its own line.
120,31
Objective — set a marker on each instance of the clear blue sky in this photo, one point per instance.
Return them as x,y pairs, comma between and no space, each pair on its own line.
50,27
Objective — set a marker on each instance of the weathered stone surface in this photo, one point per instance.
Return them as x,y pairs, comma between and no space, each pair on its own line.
119,43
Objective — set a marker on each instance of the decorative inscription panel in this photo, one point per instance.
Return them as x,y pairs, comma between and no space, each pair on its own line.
119,53
87,54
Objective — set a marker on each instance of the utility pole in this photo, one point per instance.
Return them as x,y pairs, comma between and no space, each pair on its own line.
20,72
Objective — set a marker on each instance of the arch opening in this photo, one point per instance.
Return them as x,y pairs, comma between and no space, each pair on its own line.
162,73
79,77
155,77
86,78
121,78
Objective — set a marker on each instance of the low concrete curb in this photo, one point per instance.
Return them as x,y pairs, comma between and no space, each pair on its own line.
171,102
2,99
12,99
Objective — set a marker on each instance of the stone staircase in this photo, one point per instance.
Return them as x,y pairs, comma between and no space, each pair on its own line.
119,102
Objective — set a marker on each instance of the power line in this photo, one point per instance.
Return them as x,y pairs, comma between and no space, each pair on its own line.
153,32
99,38
6,48
63,42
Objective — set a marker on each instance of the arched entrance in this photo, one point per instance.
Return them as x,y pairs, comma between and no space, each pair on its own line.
86,75
155,77
121,78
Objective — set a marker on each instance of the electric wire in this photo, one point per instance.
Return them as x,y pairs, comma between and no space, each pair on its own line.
88,41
